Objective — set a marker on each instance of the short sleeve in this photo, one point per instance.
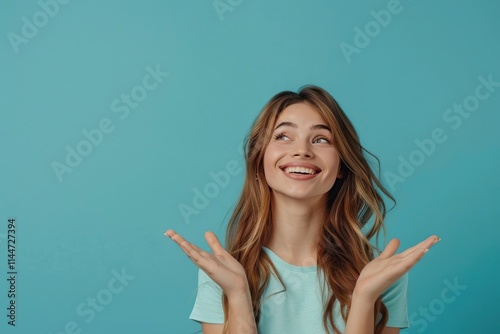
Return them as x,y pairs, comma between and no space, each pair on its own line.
395,298
208,304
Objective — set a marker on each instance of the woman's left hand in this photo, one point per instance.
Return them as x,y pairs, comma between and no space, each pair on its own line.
388,267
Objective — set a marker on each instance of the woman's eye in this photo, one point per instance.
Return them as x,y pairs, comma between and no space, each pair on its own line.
280,136
321,140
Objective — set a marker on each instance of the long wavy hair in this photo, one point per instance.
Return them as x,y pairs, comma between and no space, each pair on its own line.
355,211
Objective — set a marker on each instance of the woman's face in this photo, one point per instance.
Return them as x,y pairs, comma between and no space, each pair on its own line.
300,161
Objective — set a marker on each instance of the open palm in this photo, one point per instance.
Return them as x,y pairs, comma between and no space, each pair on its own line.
382,272
224,269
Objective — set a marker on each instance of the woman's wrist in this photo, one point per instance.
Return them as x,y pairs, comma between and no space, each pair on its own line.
241,317
239,293
362,297
361,315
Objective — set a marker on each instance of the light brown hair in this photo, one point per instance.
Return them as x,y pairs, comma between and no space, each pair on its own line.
344,248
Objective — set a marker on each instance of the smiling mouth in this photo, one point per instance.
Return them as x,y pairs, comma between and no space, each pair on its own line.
301,170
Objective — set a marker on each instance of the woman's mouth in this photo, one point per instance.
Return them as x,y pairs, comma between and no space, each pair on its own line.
301,170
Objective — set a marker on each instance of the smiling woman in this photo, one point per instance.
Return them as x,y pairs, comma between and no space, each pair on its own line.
297,259
301,148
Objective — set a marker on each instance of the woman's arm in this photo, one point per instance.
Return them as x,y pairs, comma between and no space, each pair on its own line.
376,277
361,319
228,273
211,328
240,318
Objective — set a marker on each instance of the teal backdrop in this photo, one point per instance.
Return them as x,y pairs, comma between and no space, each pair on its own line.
122,119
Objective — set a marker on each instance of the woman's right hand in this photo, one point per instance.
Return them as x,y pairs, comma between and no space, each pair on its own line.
224,269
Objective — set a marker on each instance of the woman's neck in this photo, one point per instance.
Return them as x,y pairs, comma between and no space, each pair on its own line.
296,226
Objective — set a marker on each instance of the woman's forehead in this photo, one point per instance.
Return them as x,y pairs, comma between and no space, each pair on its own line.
300,114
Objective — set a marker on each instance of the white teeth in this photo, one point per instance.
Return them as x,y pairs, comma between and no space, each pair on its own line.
302,170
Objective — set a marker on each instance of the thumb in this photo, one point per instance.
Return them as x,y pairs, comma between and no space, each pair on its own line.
390,249
213,242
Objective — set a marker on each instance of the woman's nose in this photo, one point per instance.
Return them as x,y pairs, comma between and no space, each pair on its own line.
302,148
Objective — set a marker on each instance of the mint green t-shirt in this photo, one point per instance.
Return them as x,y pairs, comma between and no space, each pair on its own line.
298,309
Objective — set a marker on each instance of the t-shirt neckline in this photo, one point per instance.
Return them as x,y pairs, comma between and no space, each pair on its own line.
280,263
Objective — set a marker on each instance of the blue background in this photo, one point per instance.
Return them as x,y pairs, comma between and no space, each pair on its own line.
109,213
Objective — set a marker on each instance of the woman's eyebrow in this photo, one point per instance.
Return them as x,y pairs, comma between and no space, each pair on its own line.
321,127
313,127
293,125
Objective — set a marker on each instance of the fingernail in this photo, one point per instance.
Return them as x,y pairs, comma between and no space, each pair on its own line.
425,251
437,240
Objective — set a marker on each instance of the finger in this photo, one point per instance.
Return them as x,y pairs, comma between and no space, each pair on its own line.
170,233
410,259
422,246
175,236
183,243
390,249
214,243
198,248
198,256
202,252
191,252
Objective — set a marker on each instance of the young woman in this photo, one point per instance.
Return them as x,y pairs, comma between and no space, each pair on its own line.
299,257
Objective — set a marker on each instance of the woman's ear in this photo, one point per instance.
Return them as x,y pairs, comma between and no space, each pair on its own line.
340,173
